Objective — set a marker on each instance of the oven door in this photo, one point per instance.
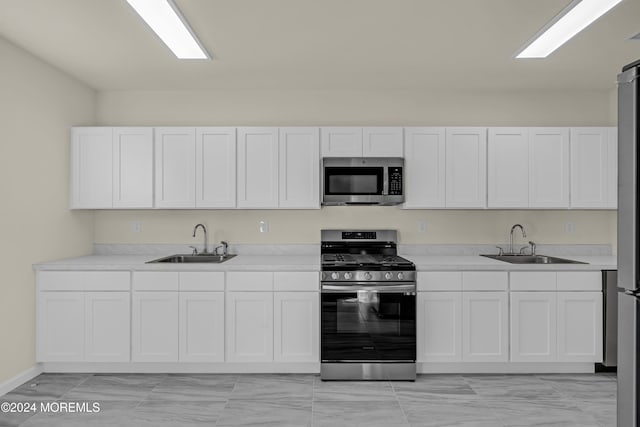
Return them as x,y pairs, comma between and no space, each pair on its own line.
368,323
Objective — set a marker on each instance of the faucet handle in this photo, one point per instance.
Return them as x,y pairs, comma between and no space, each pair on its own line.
532,245
195,250
500,251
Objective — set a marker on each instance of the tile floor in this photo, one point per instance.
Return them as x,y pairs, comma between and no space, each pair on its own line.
304,400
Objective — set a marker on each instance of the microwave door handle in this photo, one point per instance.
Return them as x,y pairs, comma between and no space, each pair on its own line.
385,181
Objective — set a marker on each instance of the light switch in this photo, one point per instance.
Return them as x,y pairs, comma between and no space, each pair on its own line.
263,226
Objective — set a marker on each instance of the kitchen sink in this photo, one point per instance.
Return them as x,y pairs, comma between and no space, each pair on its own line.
201,258
532,259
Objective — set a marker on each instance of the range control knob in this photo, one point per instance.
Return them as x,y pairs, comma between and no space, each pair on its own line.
388,276
400,276
348,275
367,276
335,276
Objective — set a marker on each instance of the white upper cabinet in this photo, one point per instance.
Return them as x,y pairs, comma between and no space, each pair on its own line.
133,167
175,151
362,142
215,167
508,168
424,174
91,168
341,141
258,150
549,167
382,142
528,168
111,168
590,151
299,178
466,167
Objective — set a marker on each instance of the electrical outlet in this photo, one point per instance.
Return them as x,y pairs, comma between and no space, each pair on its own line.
569,227
263,226
136,226
422,226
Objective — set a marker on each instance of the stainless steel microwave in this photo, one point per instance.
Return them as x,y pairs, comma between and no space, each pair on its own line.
362,181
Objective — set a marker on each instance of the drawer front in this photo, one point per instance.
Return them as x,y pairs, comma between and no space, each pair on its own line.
107,281
533,281
580,281
155,281
250,281
60,280
202,281
296,281
485,281
447,281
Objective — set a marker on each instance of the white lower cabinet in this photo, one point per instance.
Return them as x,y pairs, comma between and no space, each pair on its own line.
485,324
296,327
178,317
439,329
556,316
60,327
462,317
201,327
580,326
107,326
83,316
533,326
249,324
155,327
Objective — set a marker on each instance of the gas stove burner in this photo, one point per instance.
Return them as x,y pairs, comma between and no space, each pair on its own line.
372,251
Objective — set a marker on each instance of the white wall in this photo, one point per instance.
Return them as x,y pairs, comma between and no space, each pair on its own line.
37,106
317,107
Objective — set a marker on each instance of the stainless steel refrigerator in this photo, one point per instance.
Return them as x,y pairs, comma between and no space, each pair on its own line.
628,247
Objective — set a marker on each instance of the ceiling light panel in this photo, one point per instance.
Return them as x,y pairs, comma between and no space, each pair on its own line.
574,18
167,22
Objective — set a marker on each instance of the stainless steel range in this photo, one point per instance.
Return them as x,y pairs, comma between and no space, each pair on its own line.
368,307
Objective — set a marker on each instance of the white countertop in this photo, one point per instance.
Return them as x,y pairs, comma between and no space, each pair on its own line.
476,262
139,262
312,263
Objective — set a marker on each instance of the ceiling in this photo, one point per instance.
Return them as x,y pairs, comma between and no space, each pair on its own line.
325,44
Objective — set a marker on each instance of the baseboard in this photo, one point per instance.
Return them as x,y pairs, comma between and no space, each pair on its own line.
183,368
19,379
504,368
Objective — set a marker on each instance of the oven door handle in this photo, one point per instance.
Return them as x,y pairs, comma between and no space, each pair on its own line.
386,287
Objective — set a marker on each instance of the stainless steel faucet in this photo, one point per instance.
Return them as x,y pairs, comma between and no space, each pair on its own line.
206,249
511,236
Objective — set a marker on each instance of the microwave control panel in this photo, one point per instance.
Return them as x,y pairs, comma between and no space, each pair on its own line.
395,181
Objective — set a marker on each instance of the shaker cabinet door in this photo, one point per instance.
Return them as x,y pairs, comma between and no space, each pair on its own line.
424,175
91,168
508,168
296,327
155,327
108,326
257,167
201,327
133,167
439,327
215,167
175,161
485,327
533,326
299,177
249,326
466,168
